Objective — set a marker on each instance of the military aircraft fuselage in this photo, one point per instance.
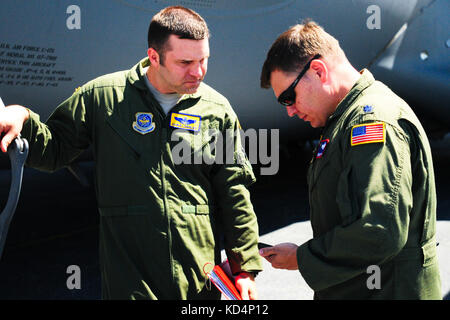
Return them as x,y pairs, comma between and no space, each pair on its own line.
49,48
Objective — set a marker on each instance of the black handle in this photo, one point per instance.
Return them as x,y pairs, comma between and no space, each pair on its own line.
17,151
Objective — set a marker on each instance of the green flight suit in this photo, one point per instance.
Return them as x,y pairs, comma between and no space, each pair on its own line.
373,204
160,221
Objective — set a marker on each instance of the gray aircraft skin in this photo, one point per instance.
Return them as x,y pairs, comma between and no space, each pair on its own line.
49,48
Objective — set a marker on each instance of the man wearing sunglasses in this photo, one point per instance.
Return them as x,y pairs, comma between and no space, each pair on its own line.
371,181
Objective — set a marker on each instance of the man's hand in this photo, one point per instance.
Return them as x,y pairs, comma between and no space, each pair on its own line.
245,283
11,123
281,256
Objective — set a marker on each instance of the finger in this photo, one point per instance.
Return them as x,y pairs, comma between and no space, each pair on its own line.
7,139
243,286
5,143
244,293
253,295
4,147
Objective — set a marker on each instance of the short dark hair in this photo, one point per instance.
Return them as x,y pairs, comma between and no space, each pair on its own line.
295,47
177,20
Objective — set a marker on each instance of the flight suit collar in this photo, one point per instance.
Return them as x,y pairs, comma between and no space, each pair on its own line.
137,74
364,81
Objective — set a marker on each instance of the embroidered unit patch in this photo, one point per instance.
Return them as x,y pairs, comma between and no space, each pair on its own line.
144,123
368,133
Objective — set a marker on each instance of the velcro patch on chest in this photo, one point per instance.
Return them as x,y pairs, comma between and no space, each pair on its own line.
321,148
144,123
185,121
368,133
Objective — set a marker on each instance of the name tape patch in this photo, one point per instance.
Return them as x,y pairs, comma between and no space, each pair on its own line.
185,121
368,133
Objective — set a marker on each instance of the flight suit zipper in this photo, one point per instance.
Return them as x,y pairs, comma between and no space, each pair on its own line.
165,119
165,201
164,139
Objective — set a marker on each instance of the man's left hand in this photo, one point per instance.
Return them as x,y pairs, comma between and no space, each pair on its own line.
245,283
281,256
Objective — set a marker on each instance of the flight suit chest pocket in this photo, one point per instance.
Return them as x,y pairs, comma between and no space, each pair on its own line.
124,155
322,168
323,180
125,135
189,147
138,133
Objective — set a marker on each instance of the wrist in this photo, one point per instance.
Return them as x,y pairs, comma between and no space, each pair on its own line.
246,274
26,112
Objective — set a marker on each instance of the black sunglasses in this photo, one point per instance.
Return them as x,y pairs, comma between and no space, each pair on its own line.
287,97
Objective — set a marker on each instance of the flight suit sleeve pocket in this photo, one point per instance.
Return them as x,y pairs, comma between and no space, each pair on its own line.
348,205
248,174
429,252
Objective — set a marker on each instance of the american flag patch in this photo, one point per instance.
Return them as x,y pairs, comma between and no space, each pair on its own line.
367,133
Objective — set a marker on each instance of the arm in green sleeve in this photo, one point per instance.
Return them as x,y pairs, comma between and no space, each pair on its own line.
61,139
374,199
238,218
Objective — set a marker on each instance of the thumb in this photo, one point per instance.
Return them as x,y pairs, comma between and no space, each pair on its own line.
264,252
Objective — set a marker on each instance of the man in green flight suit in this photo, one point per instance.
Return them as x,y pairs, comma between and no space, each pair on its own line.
371,181
161,220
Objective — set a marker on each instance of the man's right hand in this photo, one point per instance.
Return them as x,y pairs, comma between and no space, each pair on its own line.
12,119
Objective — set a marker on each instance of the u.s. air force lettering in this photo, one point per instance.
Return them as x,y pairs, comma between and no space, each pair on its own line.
144,123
